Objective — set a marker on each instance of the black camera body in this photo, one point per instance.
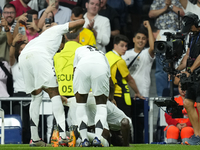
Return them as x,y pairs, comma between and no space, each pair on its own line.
186,82
173,108
173,48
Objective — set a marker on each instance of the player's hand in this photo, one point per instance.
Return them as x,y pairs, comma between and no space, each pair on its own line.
64,100
114,102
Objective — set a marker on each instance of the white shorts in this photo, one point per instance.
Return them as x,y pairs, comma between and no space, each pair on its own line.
37,70
91,76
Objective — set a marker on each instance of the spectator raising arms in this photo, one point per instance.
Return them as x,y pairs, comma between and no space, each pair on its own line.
190,7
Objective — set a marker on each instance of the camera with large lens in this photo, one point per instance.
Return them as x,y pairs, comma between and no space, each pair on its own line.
173,48
186,82
170,51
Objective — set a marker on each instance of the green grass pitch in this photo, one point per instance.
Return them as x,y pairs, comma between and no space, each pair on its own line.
134,147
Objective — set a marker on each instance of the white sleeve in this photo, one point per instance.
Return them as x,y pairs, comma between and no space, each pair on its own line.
60,29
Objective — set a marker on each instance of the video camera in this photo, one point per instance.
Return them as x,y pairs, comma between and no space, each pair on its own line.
173,48
172,51
188,81
172,107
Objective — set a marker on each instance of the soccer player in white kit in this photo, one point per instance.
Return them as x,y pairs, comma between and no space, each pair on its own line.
117,121
36,64
91,71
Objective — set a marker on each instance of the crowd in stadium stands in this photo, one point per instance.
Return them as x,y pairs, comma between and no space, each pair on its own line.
113,27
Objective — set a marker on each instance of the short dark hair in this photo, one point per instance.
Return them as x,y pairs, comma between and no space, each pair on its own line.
17,48
99,1
8,5
72,36
32,12
77,11
119,38
142,30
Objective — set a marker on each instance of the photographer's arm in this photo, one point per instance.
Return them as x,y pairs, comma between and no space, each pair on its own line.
184,61
196,64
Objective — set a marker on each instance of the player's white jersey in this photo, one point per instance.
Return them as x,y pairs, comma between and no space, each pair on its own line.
88,54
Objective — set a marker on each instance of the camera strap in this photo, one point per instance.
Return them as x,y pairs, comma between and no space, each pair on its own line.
195,43
134,60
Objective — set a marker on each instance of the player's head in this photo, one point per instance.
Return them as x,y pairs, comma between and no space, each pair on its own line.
120,44
18,48
140,38
77,13
73,36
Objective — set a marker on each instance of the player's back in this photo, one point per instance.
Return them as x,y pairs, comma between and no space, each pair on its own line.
88,54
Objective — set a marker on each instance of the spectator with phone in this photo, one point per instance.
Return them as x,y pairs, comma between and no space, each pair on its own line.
32,29
61,14
9,13
27,25
46,19
5,35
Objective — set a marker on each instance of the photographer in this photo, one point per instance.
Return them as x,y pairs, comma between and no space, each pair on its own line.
191,22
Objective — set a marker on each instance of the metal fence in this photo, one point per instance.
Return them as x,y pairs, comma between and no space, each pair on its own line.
25,99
